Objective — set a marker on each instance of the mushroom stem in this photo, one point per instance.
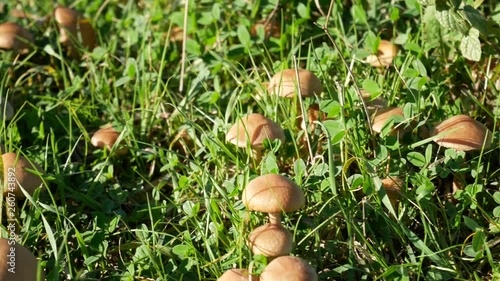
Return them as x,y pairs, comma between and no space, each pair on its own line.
257,156
275,218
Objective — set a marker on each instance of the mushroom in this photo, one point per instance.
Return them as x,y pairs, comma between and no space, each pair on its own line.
6,110
385,54
271,28
15,37
15,177
17,263
392,186
105,138
270,240
273,194
383,115
237,274
73,26
288,268
284,83
252,130
462,133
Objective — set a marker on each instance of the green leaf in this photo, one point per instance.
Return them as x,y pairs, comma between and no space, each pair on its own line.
244,35
478,240
330,107
416,159
475,18
371,86
471,224
216,11
496,212
358,13
451,20
470,46
496,197
302,11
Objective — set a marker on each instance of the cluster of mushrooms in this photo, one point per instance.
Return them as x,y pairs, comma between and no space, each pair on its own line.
271,193
274,194
22,177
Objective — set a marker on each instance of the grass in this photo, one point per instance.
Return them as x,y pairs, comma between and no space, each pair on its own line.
171,208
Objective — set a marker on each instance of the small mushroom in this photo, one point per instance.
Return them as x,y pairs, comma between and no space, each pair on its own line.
16,175
273,194
382,115
270,240
15,37
105,138
385,54
284,83
252,130
271,28
462,133
73,26
392,186
288,268
237,274
17,263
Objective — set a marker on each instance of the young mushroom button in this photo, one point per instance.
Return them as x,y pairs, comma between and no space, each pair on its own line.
105,138
462,133
270,240
74,27
273,194
288,268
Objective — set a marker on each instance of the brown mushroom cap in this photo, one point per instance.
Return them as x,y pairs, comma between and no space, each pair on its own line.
254,129
15,37
14,255
18,165
72,24
392,186
383,115
385,54
273,193
236,274
284,83
288,268
462,133
106,138
270,240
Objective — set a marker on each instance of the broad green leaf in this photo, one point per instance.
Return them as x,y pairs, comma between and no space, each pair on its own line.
471,46
330,107
451,20
496,197
243,35
216,11
302,11
471,224
371,86
416,159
